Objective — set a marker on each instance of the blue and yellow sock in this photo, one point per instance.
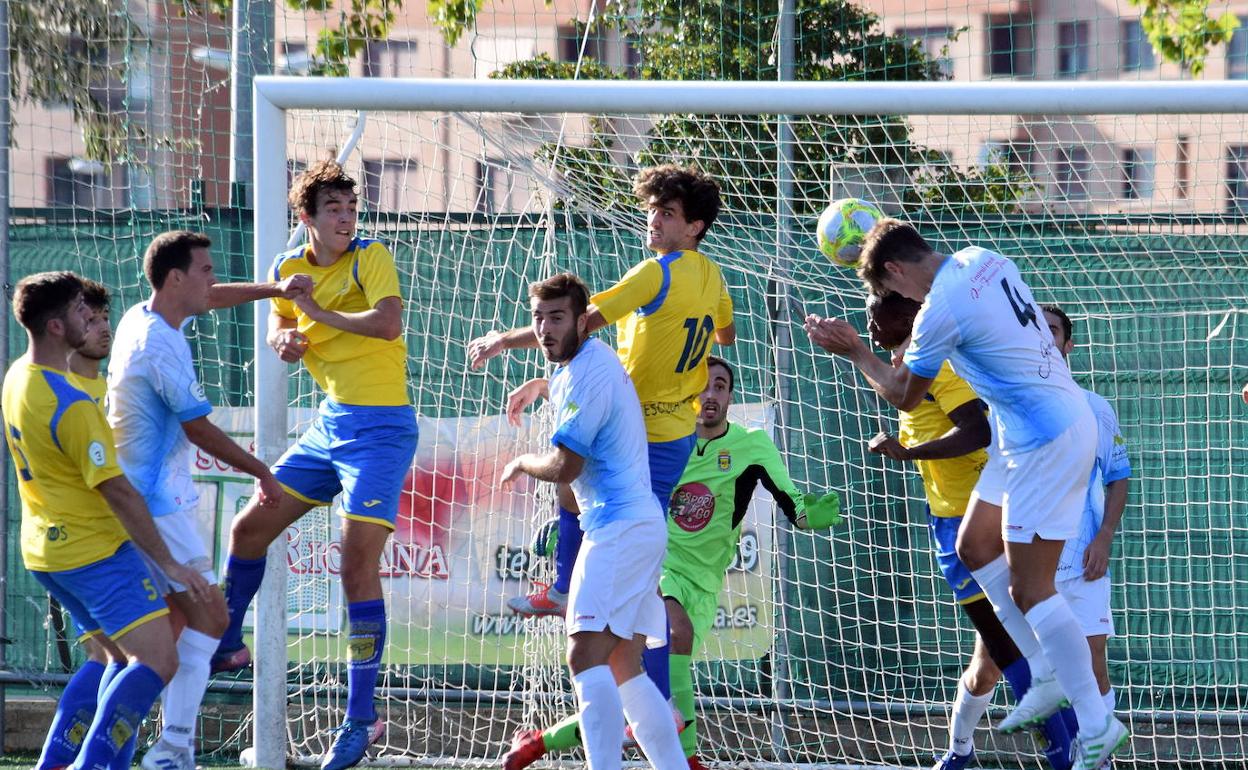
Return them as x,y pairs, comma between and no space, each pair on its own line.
1055,730
658,668
242,581
365,642
125,703
566,549
74,713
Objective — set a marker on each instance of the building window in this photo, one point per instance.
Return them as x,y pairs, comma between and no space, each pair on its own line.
390,59
575,44
386,184
85,184
1183,167
1010,47
1237,55
1073,168
1137,52
1237,179
1137,174
295,59
1072,48
934,41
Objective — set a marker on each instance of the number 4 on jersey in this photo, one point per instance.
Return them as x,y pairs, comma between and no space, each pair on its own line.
1023,310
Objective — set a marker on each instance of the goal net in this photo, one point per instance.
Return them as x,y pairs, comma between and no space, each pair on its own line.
842,646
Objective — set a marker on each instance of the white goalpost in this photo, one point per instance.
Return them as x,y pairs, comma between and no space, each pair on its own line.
831,648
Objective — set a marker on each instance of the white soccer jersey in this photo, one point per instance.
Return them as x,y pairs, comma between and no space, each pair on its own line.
153,389
981,316
599,418
1111,465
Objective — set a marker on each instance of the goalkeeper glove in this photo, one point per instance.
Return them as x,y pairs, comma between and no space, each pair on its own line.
546,539
821,512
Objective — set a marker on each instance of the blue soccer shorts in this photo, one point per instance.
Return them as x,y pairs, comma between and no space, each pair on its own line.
364,452
113,595
944,531
667,462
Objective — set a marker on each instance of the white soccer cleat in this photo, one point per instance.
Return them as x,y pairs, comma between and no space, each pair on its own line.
1041,700
162,756
1094,751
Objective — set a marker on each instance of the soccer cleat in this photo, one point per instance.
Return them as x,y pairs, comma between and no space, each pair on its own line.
1094,751
1057,755
162,756
696,764
229,662
546,601
351,739
527,747
1042,699
952,760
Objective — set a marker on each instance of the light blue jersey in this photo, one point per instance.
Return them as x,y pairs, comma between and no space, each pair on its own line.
1111,465
153,389
599,418
982,318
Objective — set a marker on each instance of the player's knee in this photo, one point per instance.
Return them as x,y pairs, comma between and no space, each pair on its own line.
246,534
975,550
981,676
681,639
162,659
1026,596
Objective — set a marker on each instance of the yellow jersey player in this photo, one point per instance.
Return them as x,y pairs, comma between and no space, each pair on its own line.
79,514
85,362
667,309
348,333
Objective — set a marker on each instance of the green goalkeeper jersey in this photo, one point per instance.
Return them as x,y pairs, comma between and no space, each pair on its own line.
709,504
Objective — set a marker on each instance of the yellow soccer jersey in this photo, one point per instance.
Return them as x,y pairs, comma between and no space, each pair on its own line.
96,387
947,483
666,310
62,449
352,369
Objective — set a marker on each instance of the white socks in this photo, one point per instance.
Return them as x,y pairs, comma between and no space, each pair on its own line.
602,717
994,579
968,709
179,703
653,727
1064,643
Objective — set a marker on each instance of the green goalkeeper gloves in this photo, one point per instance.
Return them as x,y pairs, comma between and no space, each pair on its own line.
821,512
546,539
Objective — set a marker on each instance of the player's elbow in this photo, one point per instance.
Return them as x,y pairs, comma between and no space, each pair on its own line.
390,329
726,335
908,402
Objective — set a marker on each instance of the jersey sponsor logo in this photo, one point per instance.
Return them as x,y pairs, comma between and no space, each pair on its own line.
692,506
57,533
725,460
96,454
197,392
964,584
371,503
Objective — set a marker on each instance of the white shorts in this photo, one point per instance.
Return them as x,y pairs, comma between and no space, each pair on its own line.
1089,600
182,538
615,583
1042,492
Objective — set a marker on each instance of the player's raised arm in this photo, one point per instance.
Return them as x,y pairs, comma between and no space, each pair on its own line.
493,343
225,295
898,386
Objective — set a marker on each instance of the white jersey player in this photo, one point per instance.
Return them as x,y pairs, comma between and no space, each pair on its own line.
599,448
157,409
980,315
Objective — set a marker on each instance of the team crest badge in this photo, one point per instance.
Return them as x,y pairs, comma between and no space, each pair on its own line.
725,460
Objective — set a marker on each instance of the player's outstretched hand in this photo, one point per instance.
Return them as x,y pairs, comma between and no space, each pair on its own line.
290,344
511,471
484,348
520,398
832,334
821,512
196,585
268,491
889,446
297,285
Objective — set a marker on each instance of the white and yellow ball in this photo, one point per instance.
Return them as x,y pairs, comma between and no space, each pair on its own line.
842,227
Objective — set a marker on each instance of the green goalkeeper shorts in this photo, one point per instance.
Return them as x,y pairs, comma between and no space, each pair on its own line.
700,604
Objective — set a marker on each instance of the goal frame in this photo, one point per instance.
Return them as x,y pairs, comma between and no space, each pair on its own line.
273,96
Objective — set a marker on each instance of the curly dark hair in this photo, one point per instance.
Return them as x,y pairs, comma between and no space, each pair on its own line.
96,294
323,175
696,190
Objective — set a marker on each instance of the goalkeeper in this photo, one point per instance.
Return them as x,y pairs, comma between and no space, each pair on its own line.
703,528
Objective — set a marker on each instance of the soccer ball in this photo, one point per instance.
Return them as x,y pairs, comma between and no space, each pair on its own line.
842,227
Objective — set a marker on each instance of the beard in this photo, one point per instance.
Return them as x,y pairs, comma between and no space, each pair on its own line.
565,348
